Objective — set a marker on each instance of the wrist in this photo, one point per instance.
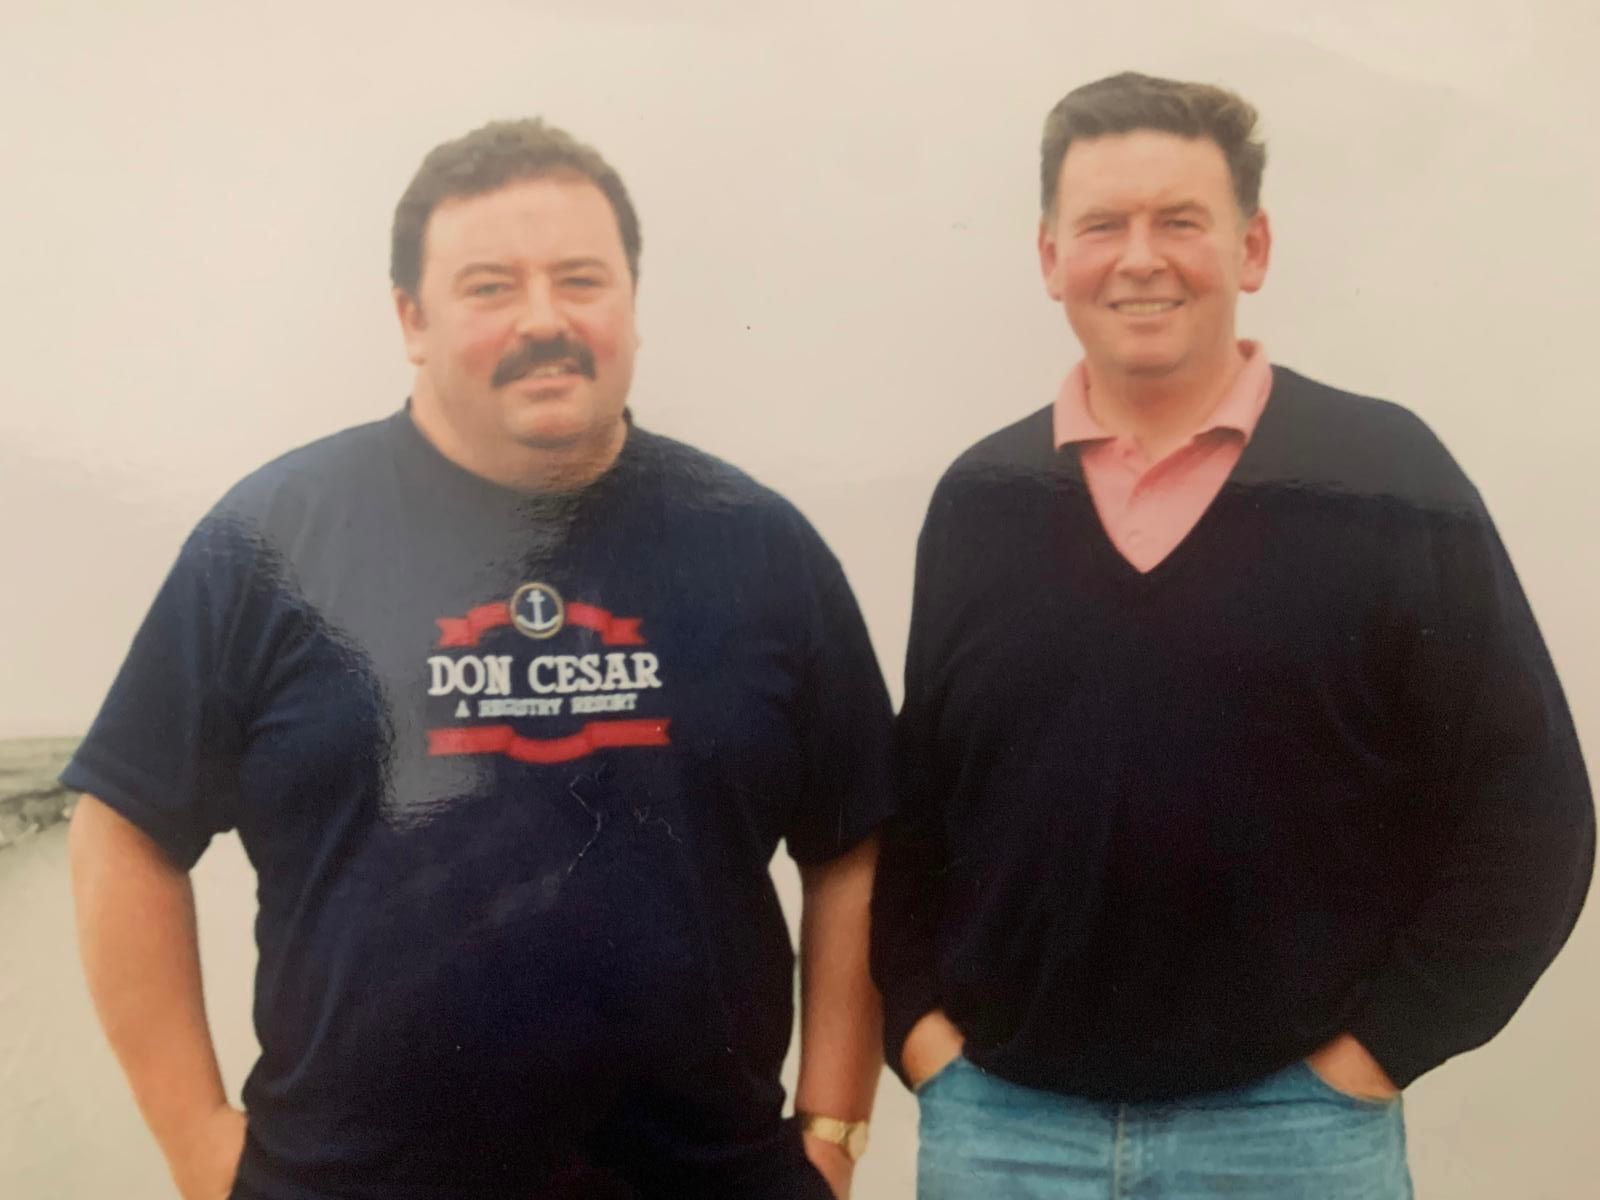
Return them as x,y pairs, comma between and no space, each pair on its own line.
848,1138
821,1148
185,1124
182,1135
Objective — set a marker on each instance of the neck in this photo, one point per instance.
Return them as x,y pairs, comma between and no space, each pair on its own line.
1160,412
563,466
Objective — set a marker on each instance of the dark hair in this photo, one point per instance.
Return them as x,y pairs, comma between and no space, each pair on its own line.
487,159
1130,101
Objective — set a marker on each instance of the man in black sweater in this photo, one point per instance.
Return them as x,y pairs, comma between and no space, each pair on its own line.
1239,788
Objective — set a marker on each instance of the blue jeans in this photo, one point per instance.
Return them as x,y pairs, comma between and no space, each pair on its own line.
1286,1137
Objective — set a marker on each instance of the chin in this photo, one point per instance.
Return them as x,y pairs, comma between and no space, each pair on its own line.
559,427
1150,366
551,435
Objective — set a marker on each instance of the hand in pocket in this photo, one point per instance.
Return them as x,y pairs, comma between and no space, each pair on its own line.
1345,1066
207,1164
931,1046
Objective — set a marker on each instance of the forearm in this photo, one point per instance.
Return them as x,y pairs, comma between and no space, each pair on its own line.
1511,826
1501,902
909,889
841,1030
906,905
137,938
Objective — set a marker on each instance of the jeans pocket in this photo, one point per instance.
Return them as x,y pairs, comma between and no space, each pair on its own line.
942,1073
1321,1085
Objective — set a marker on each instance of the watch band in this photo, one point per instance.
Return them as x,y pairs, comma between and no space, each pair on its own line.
851,1136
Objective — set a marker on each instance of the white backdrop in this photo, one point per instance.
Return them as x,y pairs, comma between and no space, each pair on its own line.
839,293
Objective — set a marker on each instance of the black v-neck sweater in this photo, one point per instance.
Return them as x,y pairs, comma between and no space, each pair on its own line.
1165,833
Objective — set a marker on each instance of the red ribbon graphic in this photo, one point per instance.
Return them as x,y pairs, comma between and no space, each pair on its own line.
465,631
502,739
613,631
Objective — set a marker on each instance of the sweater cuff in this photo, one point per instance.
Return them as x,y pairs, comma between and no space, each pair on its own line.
1399,1023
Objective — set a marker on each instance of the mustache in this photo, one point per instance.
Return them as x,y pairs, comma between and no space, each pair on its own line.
532,355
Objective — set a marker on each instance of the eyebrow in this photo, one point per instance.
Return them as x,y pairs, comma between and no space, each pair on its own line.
580,263
1166,210
474,268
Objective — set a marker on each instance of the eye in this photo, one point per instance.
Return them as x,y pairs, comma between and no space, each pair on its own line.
488,288
1182,223
582,281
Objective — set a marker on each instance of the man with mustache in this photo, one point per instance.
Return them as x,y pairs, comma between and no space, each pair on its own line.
511,703
1239,789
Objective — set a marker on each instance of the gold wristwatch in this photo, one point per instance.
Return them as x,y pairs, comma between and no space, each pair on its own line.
851,1136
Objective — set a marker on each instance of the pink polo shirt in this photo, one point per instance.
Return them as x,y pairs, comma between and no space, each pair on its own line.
1147,507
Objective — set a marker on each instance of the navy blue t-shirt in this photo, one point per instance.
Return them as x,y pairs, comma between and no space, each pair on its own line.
511,770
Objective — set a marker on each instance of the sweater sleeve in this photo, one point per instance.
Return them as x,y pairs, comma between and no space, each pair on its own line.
1507,784
908,896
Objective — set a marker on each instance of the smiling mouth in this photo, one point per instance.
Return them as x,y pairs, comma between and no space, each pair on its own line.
1144,308
554,369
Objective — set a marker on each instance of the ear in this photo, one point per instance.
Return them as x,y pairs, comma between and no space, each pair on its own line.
413,326
1257,252
1049,257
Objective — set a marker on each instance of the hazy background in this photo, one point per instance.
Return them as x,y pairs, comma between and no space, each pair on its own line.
839,294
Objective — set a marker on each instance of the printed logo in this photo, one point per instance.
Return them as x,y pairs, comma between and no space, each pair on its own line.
488,689
537,611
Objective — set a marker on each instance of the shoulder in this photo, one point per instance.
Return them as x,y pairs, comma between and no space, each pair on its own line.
332,468
338,462
693,483
258,519
1324,438
1006,467
1025,448
731,515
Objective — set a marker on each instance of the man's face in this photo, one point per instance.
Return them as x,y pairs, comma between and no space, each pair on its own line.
1148,251
522,329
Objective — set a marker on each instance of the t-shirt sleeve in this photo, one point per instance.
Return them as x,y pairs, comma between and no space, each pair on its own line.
164,748
846,726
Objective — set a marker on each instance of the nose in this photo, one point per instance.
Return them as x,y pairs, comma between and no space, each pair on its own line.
1140,256
539,318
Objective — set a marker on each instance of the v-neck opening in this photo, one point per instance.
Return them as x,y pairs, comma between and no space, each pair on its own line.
1123,572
